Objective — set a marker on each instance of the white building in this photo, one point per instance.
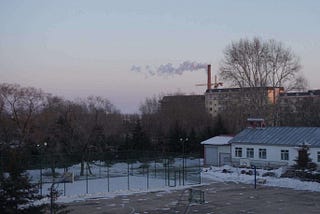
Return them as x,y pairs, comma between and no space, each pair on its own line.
272,146
217,151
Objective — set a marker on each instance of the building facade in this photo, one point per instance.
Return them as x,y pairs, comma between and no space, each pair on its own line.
216,100
300,108
217,151
174,102
274,146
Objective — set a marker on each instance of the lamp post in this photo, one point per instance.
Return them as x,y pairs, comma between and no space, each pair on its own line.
183,141
41,148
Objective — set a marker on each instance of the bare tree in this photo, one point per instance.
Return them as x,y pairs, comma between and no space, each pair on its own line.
151,105
94,118
151,120
300,84
21,105
259,63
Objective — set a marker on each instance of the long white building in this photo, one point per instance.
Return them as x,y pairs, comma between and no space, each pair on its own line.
269,146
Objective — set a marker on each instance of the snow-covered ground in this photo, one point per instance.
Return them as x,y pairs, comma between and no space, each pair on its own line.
97,188
107,180
235,175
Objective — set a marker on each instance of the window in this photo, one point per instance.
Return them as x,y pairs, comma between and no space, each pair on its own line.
318,156
284,154
238,152
250,153
262,153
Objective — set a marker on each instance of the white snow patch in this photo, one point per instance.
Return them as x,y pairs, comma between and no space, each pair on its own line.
234,175
98,187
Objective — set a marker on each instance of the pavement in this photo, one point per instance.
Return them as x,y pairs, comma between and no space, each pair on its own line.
219,197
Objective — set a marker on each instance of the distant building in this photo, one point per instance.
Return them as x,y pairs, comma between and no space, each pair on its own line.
300,108
180,102
293,100
217,99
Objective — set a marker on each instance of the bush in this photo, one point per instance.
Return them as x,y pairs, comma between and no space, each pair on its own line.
269,174
226,171
250,172
301,175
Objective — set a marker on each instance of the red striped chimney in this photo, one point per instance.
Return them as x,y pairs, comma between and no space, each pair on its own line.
209,78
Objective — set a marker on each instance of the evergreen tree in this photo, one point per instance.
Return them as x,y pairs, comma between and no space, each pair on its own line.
53,195
192,145
219,128
140,140
303,160
176,133
17,193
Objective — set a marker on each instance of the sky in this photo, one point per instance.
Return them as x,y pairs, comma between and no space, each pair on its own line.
78,48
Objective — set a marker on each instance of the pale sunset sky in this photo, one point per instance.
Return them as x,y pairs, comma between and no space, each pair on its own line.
77,48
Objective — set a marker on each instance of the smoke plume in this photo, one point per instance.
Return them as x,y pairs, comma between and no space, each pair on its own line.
169,69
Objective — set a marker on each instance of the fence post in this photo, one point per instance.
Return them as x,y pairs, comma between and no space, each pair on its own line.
87,182
41,175
255,177
128,176
147,177
183,170
155,169
199,170
108,177
180,175
165,171
168,172
64,183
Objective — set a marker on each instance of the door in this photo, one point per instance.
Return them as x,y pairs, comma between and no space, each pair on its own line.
224,159
211,156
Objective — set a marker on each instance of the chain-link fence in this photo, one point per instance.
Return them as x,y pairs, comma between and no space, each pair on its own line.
95,176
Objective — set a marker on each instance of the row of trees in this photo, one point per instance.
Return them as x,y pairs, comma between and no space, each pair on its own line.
168,119
38,122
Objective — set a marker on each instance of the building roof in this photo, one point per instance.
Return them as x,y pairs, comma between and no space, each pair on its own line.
308,93
215,90
217,140
291,136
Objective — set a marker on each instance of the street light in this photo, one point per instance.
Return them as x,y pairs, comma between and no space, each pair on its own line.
183,141
41,148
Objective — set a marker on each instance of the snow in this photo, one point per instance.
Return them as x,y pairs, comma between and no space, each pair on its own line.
118,185
216,174
110,180
217,140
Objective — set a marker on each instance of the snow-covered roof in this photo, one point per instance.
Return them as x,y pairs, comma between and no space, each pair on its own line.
293,136
217,140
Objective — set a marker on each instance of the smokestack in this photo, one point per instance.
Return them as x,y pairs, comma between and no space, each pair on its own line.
209,77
